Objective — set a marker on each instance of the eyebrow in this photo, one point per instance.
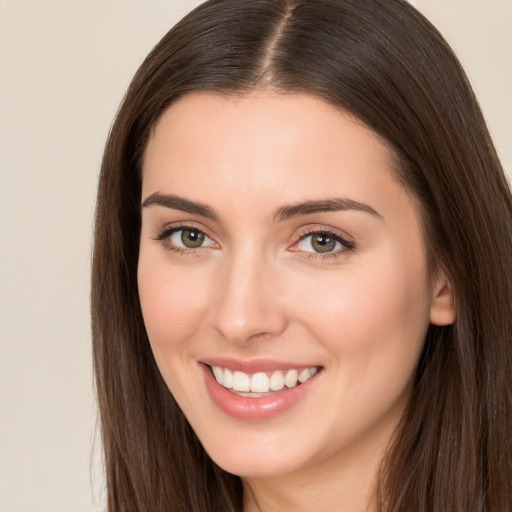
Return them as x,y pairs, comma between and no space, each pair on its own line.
281,214
180,203
323,205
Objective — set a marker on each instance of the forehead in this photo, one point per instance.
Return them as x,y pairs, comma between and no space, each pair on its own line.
278,147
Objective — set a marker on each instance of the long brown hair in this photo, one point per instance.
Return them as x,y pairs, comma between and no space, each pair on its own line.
383,62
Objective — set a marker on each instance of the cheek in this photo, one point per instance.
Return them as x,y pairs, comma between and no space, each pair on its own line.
174,303
380,315
373,326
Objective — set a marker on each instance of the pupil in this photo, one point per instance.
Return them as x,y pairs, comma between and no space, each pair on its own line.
192,238
323,243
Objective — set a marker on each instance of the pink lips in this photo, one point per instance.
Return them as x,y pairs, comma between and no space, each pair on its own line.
253,366
249,408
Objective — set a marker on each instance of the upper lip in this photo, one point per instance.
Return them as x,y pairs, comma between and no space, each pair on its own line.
254,365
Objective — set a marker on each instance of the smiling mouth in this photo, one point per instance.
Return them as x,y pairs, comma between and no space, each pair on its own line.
261,384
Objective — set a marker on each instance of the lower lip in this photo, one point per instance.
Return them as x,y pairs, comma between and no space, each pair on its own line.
254,409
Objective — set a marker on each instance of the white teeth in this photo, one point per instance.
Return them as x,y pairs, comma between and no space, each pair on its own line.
241,381
261,382
291,378
219,374
277,381
304,375
227,379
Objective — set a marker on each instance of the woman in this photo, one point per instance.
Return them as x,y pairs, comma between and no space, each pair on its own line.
301,281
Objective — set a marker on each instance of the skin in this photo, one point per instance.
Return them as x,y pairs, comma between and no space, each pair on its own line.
256,290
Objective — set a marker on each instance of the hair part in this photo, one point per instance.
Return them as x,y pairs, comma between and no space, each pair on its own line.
384,63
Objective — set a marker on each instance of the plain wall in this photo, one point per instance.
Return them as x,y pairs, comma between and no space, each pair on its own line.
64,68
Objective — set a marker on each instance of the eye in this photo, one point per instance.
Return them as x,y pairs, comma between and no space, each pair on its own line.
323,243
185,238
189,238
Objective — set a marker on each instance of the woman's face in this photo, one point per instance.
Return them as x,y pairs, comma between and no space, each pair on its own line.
276,246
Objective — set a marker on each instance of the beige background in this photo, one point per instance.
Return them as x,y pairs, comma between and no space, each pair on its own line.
63,69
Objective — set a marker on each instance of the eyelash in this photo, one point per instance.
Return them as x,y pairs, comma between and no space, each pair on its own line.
164,236
347,245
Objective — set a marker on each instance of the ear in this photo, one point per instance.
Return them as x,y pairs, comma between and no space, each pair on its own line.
442,307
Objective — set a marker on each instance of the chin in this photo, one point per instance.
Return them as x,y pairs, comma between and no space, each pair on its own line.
257,466
256,454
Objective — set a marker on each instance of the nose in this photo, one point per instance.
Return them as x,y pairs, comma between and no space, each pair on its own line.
248,304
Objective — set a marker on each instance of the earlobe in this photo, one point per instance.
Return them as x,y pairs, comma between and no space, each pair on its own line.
442,308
